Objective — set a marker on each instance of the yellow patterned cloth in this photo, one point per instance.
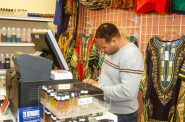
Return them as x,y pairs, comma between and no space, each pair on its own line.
181,97
164,99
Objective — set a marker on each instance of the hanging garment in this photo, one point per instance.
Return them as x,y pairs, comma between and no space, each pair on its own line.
69,7
178,6
181,98
95,4
182,72
133,39
84,58
144,6
126,4
64,41
61,19
161,84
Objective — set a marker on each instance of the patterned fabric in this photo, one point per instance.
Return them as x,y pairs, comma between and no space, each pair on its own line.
122,4
82,57
182,72
160,84
100,62
69,7
64,41
181,97
95,4
61,19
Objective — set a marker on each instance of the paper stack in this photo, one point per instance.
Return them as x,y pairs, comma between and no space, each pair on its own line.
61,75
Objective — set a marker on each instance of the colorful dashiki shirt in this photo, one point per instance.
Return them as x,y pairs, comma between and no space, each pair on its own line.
163,89
82,57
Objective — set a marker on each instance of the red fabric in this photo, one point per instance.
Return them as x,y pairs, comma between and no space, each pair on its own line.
161,6
144,6
79,63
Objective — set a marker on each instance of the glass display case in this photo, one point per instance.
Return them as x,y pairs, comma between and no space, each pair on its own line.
69,102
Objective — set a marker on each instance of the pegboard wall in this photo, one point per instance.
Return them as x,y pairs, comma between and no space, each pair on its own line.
143,26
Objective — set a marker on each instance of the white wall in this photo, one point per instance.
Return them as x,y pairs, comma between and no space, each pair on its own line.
34,6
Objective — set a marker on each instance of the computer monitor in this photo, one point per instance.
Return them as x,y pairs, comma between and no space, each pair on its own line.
46,43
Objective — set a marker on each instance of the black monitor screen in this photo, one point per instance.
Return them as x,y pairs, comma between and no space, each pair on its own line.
46,43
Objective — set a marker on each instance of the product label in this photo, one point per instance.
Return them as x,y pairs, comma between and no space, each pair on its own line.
84,101
64,86
30,114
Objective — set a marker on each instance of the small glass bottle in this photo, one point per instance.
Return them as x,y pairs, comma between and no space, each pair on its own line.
47,116
81,119
3,34
23,35
52,99
28,35
7,61
18,35
2,62
72,100
48,95
11,61
67,101
68,120
63,104
53,118
58,102
86,92
9,36
82,93
45,93
54,102
77,95
42,92
13,32
75,119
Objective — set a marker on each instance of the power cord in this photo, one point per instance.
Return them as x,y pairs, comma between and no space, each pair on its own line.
10,85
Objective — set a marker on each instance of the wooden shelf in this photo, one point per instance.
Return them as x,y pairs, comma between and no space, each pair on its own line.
39,19
13,44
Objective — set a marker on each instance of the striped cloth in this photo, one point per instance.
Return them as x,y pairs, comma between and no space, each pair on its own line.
182,72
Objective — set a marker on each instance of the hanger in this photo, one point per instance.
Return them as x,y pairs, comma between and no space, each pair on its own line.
125,32
170,34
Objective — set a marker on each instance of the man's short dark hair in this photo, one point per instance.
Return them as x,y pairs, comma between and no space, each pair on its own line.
107,31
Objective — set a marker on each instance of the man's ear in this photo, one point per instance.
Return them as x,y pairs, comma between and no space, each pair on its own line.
113,40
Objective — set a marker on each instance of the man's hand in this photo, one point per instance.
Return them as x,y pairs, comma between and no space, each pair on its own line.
91,82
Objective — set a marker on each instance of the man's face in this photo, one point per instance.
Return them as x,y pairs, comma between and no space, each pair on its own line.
107,48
